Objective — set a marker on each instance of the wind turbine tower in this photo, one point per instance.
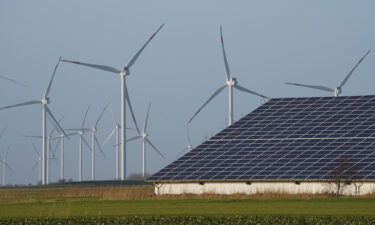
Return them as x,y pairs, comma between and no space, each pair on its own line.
124,95
230,83
45,111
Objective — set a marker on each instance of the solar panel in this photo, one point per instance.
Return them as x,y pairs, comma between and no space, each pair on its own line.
286,139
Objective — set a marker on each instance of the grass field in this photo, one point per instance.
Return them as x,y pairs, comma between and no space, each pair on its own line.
139,200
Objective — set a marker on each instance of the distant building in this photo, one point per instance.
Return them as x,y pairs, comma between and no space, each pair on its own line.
288,145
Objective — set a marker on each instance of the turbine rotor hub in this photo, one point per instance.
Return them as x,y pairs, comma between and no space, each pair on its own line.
337,91
125,72
231,82
45,101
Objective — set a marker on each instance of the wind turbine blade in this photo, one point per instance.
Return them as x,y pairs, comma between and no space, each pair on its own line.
100,116
109,136
2,132
22,104
50,82
146,121
7,152
212,96
55,122
7,165
100,148
32,170
135,57
238,87
131,109
31,136
355,67
52,151
11,80
57,143
187,134
35,149
149,142
84,118
227,71
54,126
133,138
112,114
86,143
323,88
101,67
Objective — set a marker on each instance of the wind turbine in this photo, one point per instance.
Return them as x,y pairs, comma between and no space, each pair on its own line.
3,160
338,90
124,95
37,163
13,81
45,110
95,141
231,83
81,132
116,131
50,153
61,142
145,139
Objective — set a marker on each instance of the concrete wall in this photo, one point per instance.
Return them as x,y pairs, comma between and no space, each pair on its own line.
261,187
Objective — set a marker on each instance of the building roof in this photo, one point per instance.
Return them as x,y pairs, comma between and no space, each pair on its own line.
287,139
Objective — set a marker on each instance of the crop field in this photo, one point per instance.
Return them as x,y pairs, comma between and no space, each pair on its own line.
138,205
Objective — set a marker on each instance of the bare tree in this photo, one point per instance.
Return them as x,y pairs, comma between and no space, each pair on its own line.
342,175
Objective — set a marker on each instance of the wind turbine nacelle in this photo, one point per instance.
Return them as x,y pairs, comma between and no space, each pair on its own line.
45,100
125,71
232,82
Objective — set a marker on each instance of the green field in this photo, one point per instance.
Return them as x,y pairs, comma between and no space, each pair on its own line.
96,204
92,207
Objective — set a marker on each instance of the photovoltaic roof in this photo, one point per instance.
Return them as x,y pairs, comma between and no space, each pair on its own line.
286,139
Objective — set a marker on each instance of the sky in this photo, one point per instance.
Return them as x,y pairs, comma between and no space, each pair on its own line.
267,43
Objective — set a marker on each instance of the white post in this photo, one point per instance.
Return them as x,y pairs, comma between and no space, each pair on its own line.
44,146
62,159
143,157
93,156
230,105
80,159
4,167
40,169
48,160
118,153
123,126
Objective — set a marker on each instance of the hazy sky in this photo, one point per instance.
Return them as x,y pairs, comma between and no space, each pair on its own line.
268,43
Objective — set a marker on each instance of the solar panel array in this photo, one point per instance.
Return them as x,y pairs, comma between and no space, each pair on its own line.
287,139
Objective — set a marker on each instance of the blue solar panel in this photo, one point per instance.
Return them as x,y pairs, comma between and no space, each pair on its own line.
286,138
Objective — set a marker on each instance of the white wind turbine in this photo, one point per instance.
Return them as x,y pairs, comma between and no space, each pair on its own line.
338,90
116,131
81,132
145,140
45,110
61,143
37,163
231,83
94,142
50,152
124,95
13,81
3,160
